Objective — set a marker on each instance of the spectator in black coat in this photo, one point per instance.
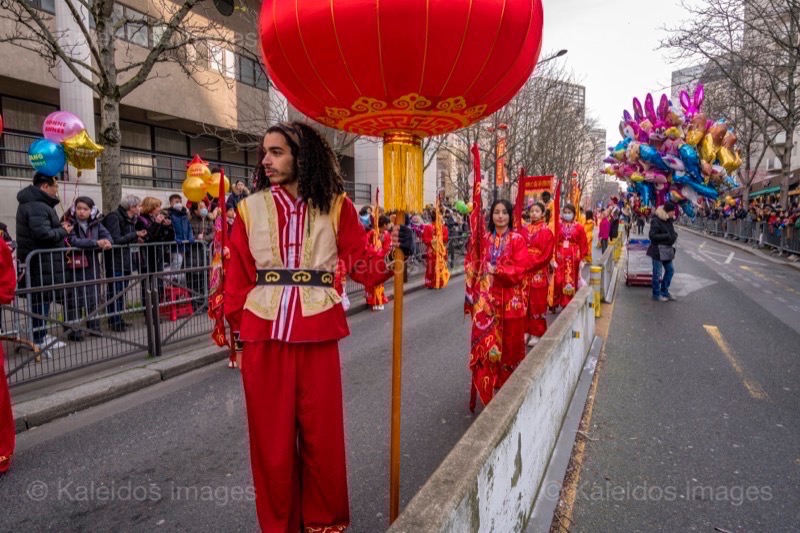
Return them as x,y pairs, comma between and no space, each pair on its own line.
119,262
662,238
38,229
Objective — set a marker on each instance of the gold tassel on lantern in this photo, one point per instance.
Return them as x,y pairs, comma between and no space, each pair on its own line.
402,172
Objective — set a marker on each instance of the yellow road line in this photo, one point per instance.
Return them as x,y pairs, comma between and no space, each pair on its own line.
754,389
765,278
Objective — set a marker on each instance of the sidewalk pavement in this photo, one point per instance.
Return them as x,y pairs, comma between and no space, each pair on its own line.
43,401
745,247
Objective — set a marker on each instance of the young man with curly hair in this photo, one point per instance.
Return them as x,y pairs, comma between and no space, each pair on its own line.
287,318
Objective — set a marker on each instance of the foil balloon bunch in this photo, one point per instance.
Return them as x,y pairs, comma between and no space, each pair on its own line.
674,153
65,139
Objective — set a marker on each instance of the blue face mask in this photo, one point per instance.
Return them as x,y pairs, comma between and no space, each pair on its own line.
204,213
364,219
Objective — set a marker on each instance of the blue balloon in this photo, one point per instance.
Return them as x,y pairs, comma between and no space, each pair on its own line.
650,155
691,161
47,157
704,190
645,191
688,208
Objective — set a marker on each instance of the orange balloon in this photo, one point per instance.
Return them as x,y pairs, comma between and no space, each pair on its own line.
194,189
213,185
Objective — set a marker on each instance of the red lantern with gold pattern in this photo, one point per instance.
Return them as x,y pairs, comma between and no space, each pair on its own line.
410,67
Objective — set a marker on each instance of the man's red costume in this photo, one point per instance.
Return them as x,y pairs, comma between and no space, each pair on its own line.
540,243
8,283
290,364
571,248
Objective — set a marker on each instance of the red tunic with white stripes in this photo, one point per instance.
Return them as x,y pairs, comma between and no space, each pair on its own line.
360,262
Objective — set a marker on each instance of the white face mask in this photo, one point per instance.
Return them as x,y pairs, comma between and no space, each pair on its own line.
204,212
230,220
568,217
178,206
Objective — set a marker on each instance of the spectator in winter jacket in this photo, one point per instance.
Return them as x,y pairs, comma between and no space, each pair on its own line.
87,237
197,255
38,228
603,231
239,193
179,216
158,227
662,238
119,262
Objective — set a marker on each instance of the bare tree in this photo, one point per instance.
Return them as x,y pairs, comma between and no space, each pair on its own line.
753,45
173,37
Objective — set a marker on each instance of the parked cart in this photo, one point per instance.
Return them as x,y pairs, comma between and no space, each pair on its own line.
638,266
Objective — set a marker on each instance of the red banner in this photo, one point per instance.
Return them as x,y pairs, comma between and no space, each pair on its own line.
500,167
529,191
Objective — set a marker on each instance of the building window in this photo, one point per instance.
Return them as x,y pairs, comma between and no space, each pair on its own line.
25,116
205,147
223,61
171,142
48,6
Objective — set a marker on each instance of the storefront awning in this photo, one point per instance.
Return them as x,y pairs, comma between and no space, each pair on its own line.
794,192
768,190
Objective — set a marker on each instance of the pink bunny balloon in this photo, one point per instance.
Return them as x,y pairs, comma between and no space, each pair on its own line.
692,107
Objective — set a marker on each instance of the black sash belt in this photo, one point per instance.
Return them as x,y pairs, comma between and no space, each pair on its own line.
299,278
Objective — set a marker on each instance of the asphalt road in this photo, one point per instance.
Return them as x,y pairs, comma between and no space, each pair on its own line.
175,456
695,423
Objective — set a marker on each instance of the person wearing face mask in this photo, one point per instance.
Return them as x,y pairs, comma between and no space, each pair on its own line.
498,305
540,242
571,248
196,254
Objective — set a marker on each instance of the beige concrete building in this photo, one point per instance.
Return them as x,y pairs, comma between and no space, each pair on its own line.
165,121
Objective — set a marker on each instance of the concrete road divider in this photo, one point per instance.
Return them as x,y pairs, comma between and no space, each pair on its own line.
490,480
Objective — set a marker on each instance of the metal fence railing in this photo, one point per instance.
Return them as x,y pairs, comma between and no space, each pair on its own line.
781,239
76,307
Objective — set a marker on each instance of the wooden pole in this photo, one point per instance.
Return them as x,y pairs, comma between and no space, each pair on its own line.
397,370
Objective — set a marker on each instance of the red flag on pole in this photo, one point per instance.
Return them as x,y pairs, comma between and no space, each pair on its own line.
472,259
216,304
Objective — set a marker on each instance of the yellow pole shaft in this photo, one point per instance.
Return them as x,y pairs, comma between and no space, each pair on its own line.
397,374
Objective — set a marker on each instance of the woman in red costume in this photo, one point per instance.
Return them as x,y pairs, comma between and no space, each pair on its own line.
435,237
540,242
381,242
571,248
498,305
8,283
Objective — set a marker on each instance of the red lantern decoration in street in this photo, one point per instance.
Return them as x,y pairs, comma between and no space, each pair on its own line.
400,69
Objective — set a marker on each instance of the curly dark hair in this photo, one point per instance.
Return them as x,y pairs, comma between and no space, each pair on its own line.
315,165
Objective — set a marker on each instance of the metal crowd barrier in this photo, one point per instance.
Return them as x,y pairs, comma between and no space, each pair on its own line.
77,307
784,240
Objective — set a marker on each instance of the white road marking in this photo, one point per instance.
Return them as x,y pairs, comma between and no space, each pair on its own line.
781,299
726,277
729,259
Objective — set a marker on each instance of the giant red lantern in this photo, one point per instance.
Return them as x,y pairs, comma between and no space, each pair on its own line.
400,69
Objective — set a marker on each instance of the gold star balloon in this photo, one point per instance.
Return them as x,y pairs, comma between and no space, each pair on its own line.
82,151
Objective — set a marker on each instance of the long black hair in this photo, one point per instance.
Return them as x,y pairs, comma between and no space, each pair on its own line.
315,165
490,225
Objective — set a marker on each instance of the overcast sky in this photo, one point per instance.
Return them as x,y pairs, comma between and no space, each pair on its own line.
613,49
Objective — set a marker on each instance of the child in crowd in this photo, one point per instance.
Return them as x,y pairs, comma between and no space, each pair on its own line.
88,236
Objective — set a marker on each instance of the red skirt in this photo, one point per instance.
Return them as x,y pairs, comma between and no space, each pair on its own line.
376,295
7,427
489,376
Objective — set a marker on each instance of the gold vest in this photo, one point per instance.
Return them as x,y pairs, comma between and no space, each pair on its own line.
319,252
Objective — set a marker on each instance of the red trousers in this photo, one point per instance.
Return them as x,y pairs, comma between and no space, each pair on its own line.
536,324
293,393
7,427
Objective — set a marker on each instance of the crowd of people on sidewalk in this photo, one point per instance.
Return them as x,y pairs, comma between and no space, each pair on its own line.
82,247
